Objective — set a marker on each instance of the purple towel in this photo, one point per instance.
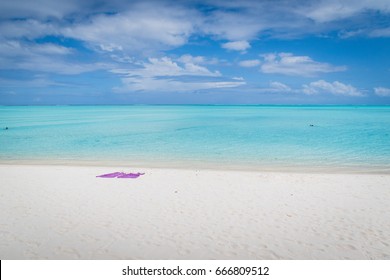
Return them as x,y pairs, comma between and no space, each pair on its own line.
121,175
111,175
129,175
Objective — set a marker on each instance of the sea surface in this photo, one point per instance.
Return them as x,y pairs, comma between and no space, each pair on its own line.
247,137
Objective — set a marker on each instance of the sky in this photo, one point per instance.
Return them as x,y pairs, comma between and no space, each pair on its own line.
194,52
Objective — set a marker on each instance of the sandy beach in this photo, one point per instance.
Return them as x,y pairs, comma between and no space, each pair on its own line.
65,212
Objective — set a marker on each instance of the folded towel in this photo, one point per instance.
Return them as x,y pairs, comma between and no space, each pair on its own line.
111,175
121,175
129,175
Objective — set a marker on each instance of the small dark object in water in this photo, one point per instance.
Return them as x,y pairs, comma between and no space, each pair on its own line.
6,128
312,125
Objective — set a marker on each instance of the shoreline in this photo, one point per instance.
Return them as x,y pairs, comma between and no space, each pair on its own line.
207,165
65,212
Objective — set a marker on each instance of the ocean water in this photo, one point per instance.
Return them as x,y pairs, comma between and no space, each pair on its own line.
256,137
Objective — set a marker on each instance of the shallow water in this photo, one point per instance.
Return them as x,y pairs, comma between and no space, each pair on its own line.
268,136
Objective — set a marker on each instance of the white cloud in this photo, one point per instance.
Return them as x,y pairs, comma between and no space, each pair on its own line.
38,81
122,58
317,87
149,27
165,66
60,66
39,9
345,34
278,86
15,48
187,58
236,46
246,20
131,25
232,26
51,49
381,91
163,85
380,32
330,10
29,28
249,63
165,74
127,30
45,57
288,64
142,29
336,88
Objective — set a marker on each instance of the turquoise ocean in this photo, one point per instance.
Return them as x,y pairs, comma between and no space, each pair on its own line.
247,137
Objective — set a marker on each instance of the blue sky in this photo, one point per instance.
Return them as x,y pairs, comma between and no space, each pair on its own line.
195,52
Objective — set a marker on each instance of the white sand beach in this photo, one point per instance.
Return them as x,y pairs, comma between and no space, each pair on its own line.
65,212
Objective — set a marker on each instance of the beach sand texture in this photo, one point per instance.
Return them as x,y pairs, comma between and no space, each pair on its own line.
65,212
